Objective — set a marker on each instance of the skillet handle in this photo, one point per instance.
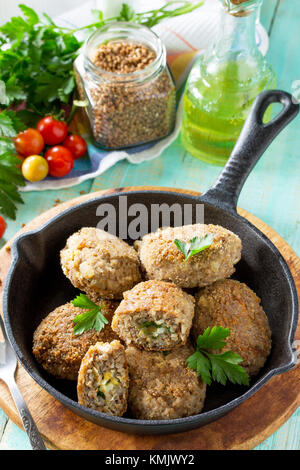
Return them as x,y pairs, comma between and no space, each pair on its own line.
255,138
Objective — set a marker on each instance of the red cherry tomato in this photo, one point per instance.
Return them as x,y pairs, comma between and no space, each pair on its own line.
76,145
2,226
54,132
29,142
60,161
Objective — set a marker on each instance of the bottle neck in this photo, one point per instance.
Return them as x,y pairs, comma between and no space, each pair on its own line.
237,30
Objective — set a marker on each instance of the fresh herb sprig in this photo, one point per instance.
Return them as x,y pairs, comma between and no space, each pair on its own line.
36,64
194,246
169,10
147,18
93,318
10,174
218,367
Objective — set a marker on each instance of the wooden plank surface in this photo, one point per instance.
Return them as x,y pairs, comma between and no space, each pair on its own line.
272,191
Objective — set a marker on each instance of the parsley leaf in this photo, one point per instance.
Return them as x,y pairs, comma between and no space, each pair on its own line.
100,393
7,128
151,18
30,14
127,13
10,180
218,367
213,338
91,319
201,365
6,145
10,124
14,91
36,64
194,246
225,366
3,95
10,174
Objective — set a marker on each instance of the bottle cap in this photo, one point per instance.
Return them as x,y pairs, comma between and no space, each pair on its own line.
238,9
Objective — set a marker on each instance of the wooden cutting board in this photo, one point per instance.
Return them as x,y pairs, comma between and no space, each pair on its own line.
243,428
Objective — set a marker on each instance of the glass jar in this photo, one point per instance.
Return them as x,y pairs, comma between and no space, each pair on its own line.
126,109
223,84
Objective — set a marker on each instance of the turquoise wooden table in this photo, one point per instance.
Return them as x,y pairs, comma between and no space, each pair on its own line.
272,192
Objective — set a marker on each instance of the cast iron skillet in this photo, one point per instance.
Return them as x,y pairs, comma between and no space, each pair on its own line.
36,285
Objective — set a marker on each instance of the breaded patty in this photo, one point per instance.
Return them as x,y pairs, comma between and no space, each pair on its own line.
99,263
103,379
162,260
154,315
162,386
58,350
232,304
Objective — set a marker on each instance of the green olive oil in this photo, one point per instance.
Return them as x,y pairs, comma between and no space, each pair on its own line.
221,89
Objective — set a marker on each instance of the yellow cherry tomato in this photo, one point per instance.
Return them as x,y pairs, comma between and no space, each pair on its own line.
35,168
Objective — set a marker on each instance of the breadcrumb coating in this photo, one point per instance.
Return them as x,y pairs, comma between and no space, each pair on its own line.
154,315
162,260
232,304
99,263
55,346
162,386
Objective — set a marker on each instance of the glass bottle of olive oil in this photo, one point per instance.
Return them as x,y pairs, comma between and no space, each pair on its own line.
223,84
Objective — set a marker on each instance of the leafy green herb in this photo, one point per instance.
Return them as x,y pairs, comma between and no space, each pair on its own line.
10,175
91,319
30,14
213,338
152,324
127,13
10,124
36,64
148,324
100,393
169,10
148,18
218,367
194,246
